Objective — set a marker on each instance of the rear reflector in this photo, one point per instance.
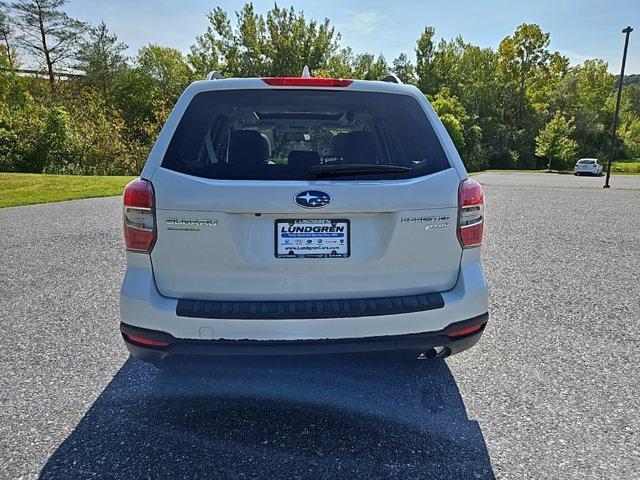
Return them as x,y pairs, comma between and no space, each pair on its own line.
139,216
470,213
306,82
465,331
146,341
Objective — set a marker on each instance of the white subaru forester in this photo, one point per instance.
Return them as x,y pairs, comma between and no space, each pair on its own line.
302,216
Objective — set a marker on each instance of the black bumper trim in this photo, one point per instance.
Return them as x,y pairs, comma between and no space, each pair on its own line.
409,343
309,309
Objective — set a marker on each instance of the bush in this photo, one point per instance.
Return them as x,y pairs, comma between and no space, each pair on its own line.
56,146
75,132
22,126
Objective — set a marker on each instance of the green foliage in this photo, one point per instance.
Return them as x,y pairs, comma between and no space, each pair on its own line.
425,52
555,143
452,114
630,135
54,149
521,106
279,43
364,66
145,93
633,79
403,68
22,127
166,71
49,34
8,54
101,59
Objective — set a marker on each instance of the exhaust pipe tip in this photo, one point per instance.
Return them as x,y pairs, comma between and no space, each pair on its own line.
435,352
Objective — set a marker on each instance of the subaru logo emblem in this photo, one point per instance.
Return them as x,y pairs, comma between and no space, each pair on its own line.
312,199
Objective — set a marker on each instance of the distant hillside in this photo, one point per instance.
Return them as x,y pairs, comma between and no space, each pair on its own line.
633,79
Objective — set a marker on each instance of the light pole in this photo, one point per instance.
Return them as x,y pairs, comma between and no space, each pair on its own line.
626,31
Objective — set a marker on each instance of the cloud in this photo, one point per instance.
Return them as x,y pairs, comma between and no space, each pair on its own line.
364,22
576,57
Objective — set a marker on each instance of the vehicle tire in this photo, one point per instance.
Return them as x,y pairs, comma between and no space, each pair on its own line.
575,174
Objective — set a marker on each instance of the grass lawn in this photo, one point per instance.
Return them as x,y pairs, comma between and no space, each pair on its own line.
617,168
29,188
626,168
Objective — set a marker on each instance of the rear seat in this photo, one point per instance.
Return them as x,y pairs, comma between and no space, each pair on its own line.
303,158
248,148
359,147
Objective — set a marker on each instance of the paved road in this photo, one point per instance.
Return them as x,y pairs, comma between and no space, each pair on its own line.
550,392
618,182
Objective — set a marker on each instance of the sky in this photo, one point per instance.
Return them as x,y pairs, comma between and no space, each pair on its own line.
579,29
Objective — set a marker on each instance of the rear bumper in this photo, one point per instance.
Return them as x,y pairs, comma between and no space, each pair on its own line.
143,308
407,345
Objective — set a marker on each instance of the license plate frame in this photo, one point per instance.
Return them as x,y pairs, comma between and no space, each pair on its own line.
308,241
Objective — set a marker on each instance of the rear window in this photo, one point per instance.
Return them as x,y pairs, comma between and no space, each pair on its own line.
282,134
587,162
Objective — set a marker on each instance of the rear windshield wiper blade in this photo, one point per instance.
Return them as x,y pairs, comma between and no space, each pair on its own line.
356,168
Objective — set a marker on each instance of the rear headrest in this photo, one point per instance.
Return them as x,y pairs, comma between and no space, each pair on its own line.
359,147
248,147
337,144
303,158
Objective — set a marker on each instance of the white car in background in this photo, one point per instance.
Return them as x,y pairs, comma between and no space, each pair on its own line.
301,216
588,166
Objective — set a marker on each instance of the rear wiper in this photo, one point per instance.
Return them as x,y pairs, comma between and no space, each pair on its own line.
356,168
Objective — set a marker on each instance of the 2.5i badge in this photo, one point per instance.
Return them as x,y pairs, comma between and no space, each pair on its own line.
434,222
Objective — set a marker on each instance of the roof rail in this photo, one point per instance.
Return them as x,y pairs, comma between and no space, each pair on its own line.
391,78
214,75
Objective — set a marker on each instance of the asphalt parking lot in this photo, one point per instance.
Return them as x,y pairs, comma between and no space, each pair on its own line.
550,392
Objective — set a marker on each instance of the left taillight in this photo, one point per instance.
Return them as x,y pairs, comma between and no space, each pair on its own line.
139,216
470,213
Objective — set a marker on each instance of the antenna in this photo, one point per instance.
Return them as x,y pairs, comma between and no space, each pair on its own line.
392,77
305,72
214,75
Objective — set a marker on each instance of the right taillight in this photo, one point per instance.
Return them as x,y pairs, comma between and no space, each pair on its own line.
139,216
470,213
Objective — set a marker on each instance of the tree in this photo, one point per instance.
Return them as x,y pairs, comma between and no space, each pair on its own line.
523,64
447,64
47,32
339,65
551,76
404,69
564,95
523,60
145,93
595,84
501,107
100,57
366,67
293,42
452,115
587,94
278,44
425,52
207,53
7,47
167,70
554,142
630,134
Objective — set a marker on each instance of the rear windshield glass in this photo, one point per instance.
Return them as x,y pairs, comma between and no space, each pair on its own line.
284,134
587,162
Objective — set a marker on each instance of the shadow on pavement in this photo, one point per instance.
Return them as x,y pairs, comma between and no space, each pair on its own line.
264,419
